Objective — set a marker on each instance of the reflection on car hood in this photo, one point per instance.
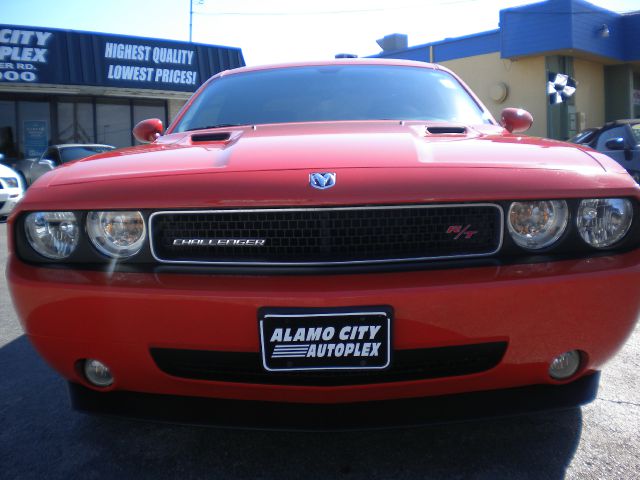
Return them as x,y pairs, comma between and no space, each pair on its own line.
376,162
326,147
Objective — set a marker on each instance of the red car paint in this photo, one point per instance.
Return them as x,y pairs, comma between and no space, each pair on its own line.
541,309
589,304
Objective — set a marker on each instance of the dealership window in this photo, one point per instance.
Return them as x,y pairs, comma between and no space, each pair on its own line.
8,130
75,121
30,123
34,133
113,122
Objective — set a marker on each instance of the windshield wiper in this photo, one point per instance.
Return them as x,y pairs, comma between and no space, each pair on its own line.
218,125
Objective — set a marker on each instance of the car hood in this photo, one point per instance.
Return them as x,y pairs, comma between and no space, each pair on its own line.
326,147
371,156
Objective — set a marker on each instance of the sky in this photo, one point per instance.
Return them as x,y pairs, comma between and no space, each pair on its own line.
272,31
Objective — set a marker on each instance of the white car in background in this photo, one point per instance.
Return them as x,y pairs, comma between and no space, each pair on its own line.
11,190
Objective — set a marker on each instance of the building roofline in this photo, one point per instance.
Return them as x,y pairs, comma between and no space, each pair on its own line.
438,42
589,7
539,29
105,34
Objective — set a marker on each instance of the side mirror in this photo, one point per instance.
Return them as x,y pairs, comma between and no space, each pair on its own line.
615,144
148,131
516,120
45,162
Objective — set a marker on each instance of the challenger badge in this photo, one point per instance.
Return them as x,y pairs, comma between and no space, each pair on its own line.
219,242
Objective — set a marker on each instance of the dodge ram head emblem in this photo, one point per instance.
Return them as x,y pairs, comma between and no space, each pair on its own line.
322,180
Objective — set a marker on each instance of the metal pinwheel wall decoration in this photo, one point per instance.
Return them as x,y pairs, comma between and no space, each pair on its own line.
560,87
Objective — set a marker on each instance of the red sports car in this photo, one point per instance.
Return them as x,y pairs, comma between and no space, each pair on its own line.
330,245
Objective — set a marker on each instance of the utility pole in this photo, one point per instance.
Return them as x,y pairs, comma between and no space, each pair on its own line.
198,2
190,19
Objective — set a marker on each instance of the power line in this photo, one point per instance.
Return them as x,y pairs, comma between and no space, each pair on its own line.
386,9
331,12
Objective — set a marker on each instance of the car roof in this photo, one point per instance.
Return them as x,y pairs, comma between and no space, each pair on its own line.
66,145
617,123
6,170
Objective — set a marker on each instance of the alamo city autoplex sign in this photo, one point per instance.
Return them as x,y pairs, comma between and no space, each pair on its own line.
22,53
37,55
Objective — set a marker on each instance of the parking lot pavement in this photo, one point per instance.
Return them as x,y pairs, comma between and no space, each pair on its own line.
40,437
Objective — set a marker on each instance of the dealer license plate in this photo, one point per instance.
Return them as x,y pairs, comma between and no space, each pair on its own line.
321,339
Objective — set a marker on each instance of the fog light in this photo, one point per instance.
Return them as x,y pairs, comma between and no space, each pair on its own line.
97,373
565,365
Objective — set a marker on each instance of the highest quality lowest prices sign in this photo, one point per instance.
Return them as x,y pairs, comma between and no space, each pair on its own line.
145,63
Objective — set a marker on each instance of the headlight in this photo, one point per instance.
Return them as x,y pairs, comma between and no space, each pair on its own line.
604,221
117,234
53,235
11,182
537,224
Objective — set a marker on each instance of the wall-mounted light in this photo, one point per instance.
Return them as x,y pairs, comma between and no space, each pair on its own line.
499,92
603,31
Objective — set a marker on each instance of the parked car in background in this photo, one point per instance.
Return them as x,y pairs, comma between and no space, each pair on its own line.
11,189
33,168
620,140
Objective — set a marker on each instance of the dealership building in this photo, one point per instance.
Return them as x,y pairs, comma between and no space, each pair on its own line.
62,86
571,64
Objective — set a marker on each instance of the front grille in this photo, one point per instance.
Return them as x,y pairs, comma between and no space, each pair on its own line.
246,367
314,236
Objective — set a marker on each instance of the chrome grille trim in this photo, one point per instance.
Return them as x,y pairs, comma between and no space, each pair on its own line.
319,209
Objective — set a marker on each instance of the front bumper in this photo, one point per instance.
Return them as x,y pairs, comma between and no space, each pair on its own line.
540,310
331,417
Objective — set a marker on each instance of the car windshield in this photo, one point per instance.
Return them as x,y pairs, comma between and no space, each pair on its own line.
332,93
75,153
583,137
635,129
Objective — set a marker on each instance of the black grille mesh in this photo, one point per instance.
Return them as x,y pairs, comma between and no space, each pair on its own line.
330,235
245,367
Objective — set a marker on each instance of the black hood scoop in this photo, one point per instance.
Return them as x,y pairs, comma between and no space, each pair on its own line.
210,137
447,130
